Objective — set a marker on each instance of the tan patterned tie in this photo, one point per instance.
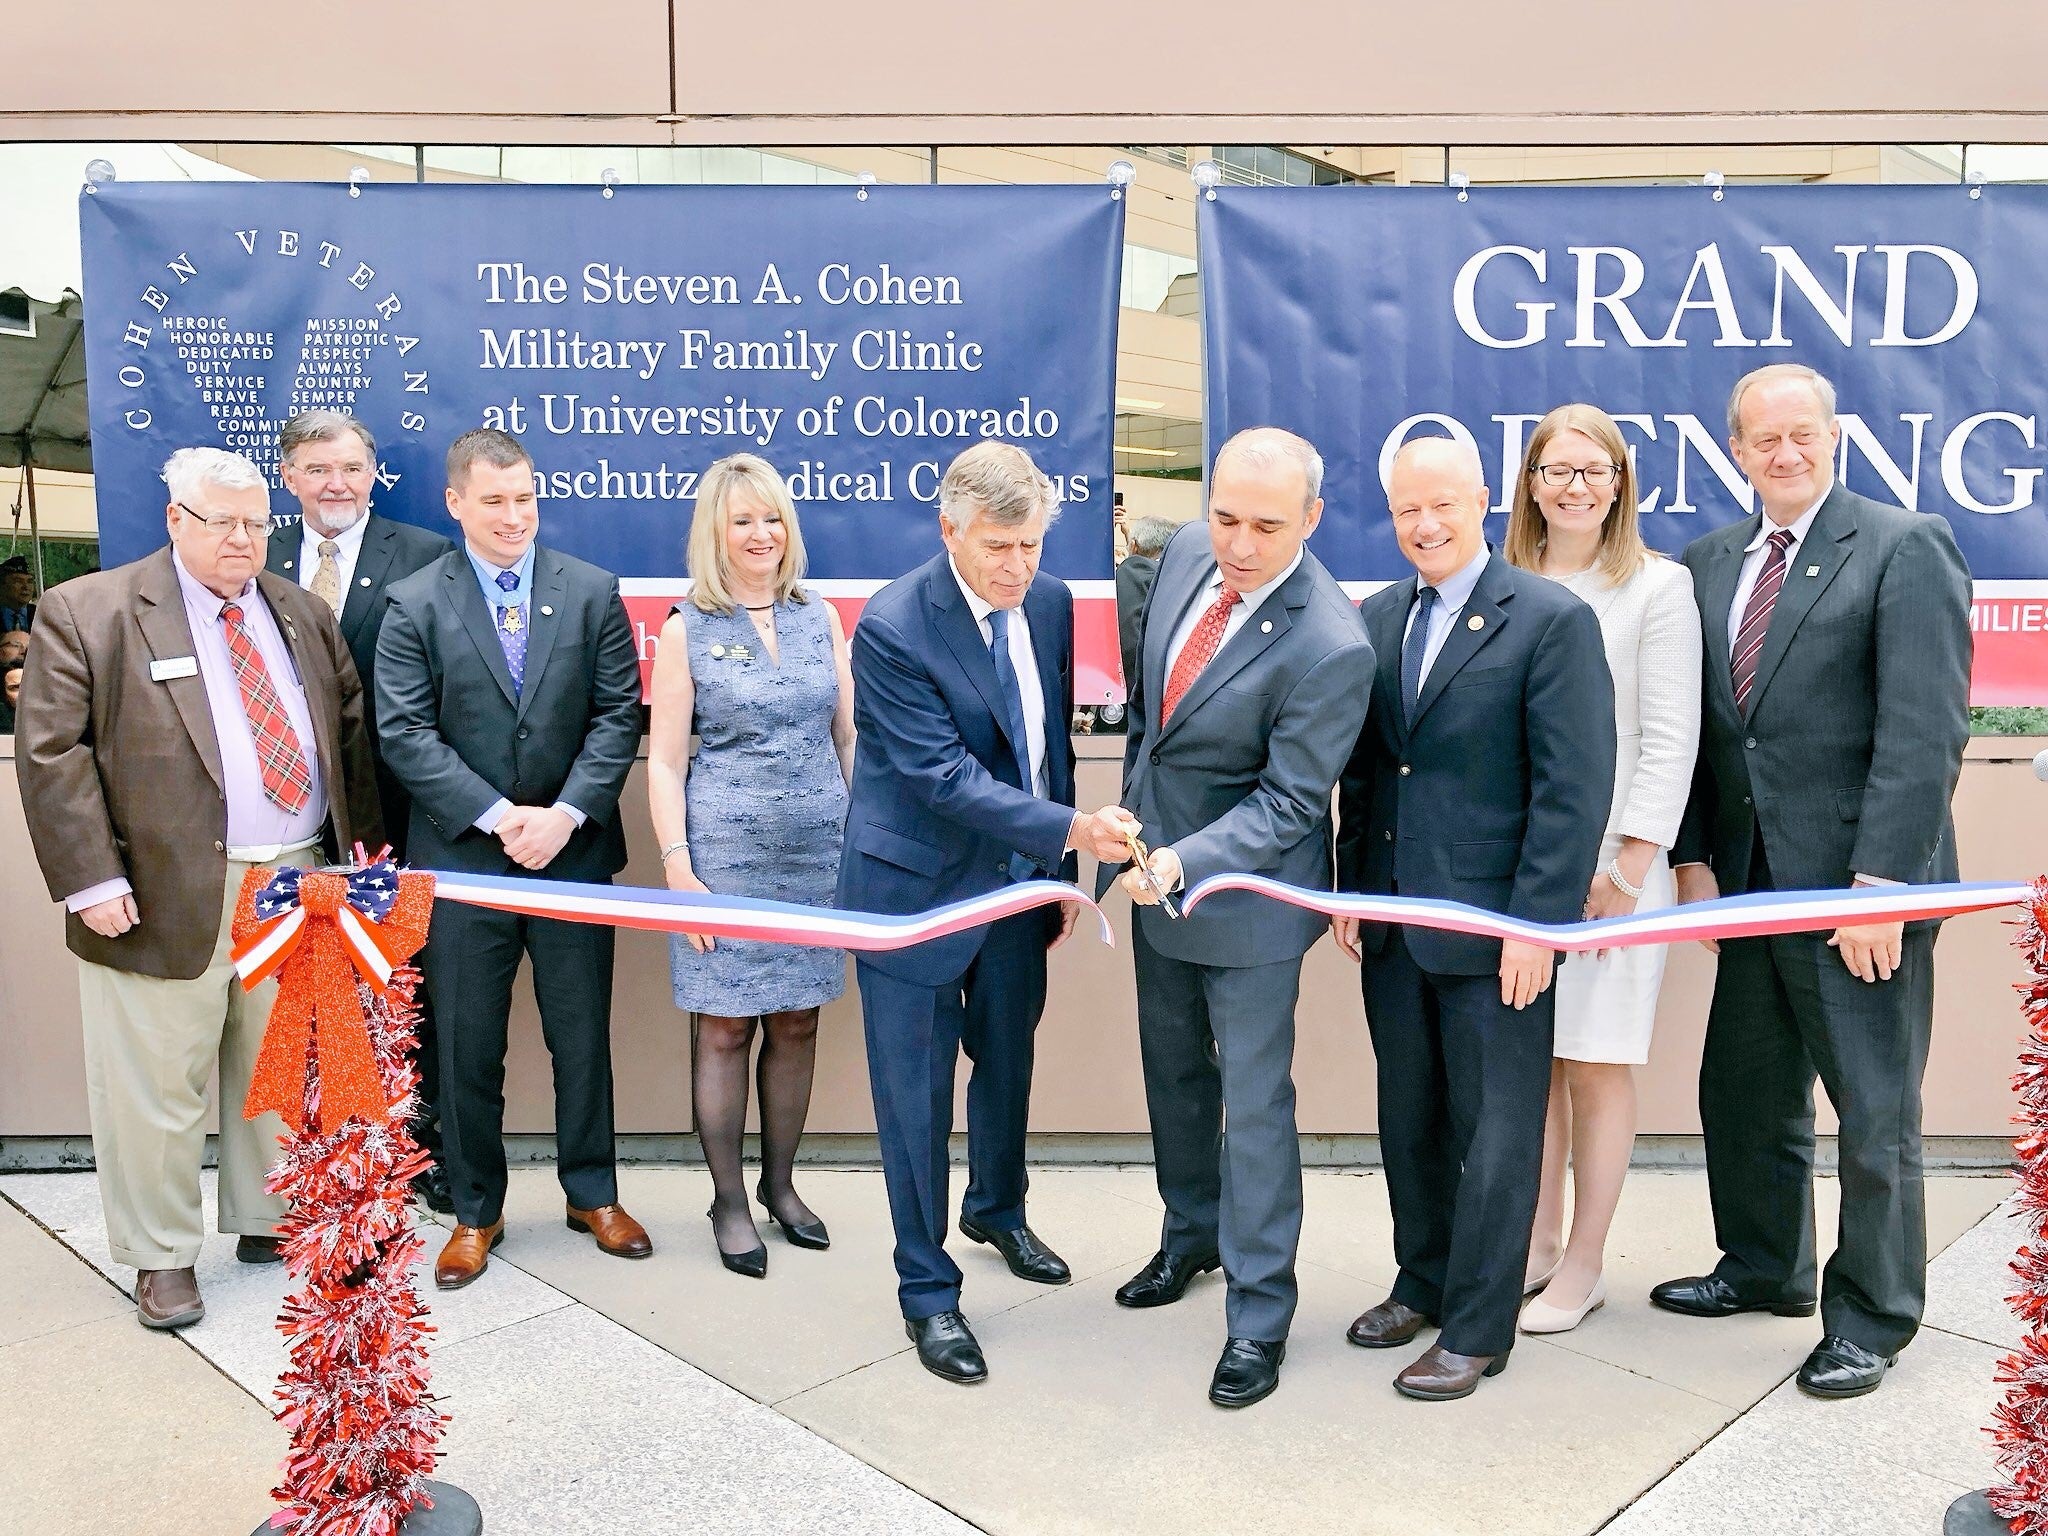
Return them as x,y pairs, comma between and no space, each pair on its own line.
327,580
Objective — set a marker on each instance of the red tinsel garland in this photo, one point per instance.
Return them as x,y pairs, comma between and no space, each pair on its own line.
2020,1423
364,1428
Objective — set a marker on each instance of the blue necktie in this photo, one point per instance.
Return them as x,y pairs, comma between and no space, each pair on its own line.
1412,651
1021,868
512,632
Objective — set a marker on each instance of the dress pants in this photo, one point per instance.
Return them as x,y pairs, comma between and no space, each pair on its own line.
1785,1009
150,1046
1218,1049
472,956
1464,1083
915,1035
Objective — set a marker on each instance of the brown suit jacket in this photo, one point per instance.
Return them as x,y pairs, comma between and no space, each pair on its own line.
121,775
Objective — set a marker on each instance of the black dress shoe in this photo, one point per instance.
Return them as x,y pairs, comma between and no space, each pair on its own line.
1165,1279
430,1188
946,1347
258,1250
801,1234
1711,1296
1839,1368
1248,1370
1028,1258
753,1263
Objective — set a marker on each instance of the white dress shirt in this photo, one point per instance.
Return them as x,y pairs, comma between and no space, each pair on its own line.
1030,690
348,547
1755,552
1452,594
1241,612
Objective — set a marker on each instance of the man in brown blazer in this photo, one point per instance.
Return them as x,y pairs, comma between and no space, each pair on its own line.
184,718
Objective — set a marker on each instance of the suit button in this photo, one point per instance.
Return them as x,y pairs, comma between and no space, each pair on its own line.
220,847
1001,868
1406,770
1389,836
1155,757
1746,800
1749,742
524,732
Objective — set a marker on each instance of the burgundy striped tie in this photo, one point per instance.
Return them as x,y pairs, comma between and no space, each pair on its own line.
1756,619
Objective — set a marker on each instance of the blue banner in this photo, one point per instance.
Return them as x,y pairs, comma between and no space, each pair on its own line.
857,339
1361,318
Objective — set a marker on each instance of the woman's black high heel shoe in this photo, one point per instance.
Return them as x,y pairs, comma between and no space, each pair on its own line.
801,1234
753,1263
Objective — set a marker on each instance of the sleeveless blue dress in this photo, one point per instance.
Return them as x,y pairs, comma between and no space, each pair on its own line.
766,803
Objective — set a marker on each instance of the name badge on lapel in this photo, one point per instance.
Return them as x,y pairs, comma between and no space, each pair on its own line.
175,666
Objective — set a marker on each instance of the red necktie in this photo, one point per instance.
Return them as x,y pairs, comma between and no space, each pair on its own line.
285,778
1756,619
1198,652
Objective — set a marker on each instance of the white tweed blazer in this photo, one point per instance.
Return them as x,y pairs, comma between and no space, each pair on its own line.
1651,626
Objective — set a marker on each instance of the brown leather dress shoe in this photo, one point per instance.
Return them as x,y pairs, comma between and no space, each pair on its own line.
167,1298
467,1255
1440,1376
1384,1326
617,1233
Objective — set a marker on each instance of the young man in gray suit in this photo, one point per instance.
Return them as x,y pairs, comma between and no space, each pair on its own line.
1483,776
1253,683
1837,691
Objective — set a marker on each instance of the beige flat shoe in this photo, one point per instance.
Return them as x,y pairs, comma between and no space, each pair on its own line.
1541,1317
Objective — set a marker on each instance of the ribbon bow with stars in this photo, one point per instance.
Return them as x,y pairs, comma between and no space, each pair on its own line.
324,933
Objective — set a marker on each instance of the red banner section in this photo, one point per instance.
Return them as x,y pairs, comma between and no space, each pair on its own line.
2010,623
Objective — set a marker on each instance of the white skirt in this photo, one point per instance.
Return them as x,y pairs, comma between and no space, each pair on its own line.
1607,1008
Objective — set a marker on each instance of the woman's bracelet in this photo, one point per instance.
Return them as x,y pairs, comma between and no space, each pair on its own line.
682,842
1620,881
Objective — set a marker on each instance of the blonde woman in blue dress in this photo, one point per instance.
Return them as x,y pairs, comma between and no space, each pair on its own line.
757,668
1575,521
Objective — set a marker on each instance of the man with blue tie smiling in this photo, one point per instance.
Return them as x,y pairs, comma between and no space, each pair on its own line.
508,705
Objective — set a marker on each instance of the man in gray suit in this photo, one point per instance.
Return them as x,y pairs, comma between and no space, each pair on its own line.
1837,689
1253,685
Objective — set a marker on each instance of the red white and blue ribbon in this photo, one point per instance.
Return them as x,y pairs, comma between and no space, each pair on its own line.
742,917
1730,917
371,892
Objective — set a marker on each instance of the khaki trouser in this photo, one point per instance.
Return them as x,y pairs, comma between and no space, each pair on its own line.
150,1046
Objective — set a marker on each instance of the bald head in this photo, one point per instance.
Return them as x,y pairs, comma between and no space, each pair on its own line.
1436,491
1274,453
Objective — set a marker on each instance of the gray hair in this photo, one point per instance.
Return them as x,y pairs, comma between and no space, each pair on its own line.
998,481
1464,454
1269,448
1148,535
189,469
1822,389
320,427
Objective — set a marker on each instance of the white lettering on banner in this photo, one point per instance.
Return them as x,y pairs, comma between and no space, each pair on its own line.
1996,618
615,285
2023,480
797,352
837,284
1707,287
733,417
554,347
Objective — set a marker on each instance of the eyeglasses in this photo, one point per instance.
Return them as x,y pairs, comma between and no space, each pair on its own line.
352,470
1597,475
223,527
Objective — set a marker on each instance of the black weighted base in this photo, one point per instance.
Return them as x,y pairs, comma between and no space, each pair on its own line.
454,1513
1972,1515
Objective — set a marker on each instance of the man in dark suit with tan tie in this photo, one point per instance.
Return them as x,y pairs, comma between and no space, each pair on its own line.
185,718
1836,708
1483,776
1254,677
348,557
508,704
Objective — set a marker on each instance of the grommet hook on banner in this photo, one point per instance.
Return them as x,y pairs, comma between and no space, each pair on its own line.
1121,174
1976,179
1717,181
1206,174
863,180
610,178
1462,182
357,175
97,171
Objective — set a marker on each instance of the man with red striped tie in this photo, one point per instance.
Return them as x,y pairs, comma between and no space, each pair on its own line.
187,717
1836,706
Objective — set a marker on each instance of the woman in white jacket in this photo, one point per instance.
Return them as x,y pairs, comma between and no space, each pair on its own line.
1574,520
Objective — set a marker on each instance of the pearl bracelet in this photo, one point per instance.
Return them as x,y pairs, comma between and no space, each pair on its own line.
1620,881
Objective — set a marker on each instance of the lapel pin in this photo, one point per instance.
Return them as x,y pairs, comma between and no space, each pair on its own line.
546,612
1813,570
287,565
1266,628
1475,622
363,581
718,653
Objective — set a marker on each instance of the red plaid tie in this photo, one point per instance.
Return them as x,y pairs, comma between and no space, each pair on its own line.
1756,619
285,778
1198,652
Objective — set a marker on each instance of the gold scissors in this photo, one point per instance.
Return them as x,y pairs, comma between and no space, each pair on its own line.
1143,856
